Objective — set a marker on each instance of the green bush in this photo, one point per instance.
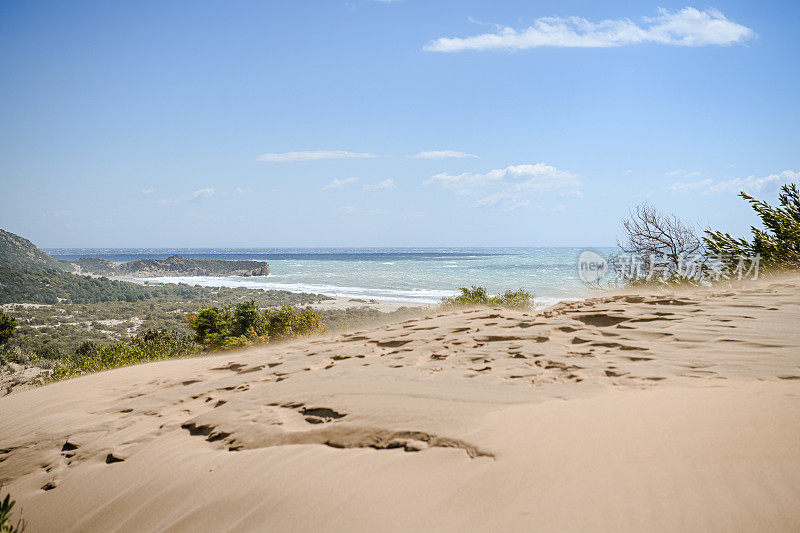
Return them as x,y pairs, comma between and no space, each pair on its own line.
87,348
290,322
778,243
478,296
48,351
7,326
12,354
243,325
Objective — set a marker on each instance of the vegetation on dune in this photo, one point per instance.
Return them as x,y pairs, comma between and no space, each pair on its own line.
147,347
778,244
214,328
478,296
49,338
6,525
55,330
661,249
656,248
245,324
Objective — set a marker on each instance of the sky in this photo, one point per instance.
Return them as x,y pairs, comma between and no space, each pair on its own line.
389,123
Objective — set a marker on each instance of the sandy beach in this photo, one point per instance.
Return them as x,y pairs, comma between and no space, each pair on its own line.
624,412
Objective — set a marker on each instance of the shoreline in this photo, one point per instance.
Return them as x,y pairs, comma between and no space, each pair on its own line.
333,301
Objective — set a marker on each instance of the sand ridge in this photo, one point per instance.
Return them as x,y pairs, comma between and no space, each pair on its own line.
476,418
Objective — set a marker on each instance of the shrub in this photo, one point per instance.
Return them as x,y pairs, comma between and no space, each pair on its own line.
247,319
87,348
778,244
290,322
469,296
519,299
48,351
12,354
210,325
7,326
243,325
478,296
6,526
141,349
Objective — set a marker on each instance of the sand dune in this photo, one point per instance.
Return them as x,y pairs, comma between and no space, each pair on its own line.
625,412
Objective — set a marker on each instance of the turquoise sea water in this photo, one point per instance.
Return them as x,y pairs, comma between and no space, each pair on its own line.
414,275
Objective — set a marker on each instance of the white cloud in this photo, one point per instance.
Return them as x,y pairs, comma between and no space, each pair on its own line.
148,191
201,193
312,156
687,27
510,188
750,184
382,186
339,183
195,196
522,177
442,154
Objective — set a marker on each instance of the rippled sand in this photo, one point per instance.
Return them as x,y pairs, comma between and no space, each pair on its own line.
626,412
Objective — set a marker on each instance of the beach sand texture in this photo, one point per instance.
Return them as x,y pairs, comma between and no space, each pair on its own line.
632,412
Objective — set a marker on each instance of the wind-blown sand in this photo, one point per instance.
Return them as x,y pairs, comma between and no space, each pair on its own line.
626,412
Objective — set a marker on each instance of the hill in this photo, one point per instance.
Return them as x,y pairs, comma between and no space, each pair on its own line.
18,253
27,274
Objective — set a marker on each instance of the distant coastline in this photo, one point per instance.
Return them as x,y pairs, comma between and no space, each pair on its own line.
174,265
411,276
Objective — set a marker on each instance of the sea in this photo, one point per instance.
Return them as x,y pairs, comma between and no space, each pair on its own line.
410,275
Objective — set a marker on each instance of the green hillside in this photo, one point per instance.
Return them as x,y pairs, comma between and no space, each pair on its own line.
18,253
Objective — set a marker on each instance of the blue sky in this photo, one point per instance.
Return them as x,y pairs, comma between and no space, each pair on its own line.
405,123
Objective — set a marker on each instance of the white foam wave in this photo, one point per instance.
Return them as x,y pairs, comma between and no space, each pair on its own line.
420,296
